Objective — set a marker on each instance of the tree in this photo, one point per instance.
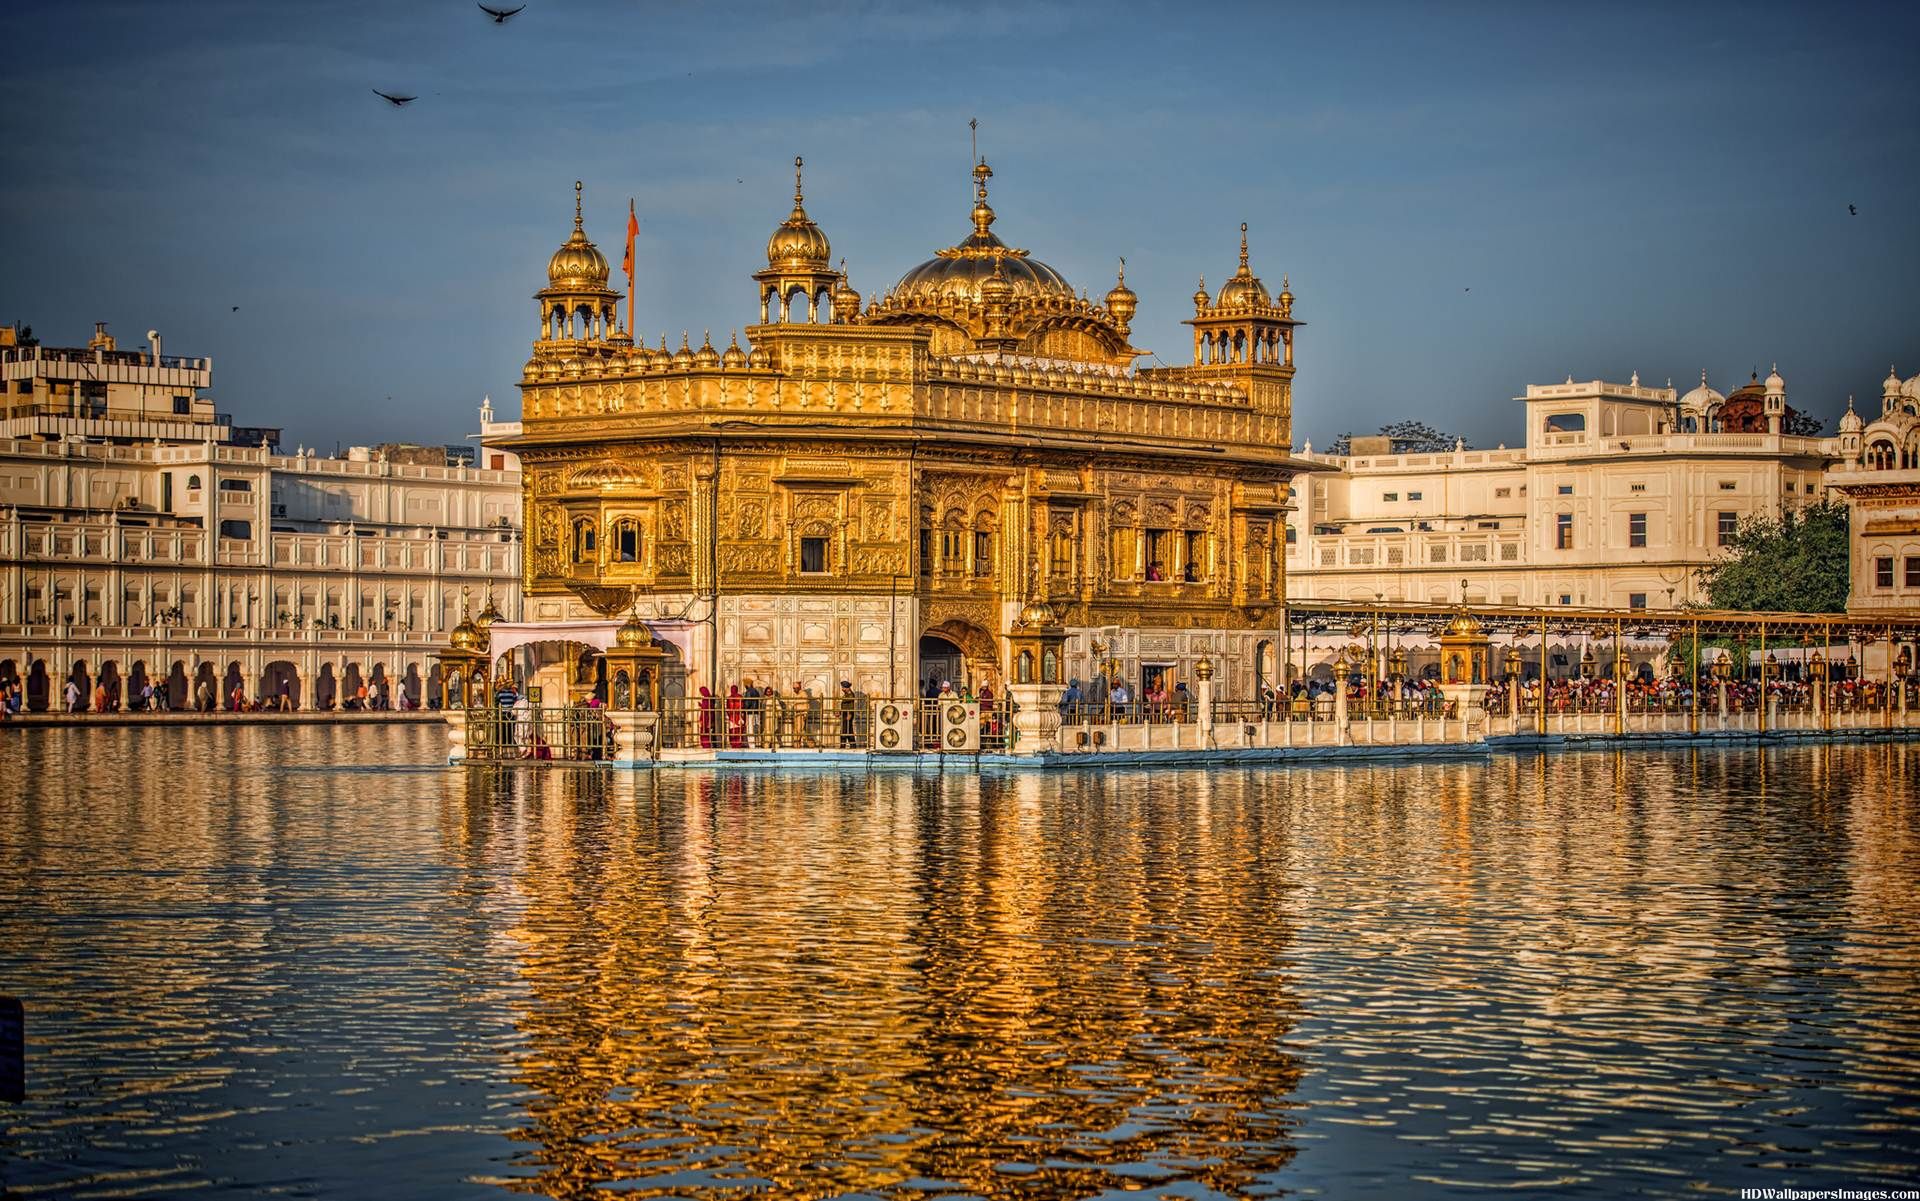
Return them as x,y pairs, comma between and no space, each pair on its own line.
1408,438
1796,562
1803,425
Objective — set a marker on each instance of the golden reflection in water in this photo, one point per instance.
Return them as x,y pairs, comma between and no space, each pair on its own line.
839,984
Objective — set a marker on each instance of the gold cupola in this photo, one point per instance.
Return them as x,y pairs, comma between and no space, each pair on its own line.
982,295
799,275
1201,298
1121,301
733,358
579,314
578,265
1244,290
846,301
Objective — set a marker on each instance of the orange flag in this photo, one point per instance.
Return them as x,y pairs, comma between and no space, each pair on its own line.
633,231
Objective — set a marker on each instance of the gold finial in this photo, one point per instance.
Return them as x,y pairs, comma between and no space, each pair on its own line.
797,163
1123,268
577,227
466,601
981,174
1243,248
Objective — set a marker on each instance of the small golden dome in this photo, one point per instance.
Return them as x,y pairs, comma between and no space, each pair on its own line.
1121,301
846,301
1036,613
662,358
798,244
633,633
734,358
996,289
1463,625
1286,298
578,264
1200,297
683,357
1245,288
707,356
488,615
465,636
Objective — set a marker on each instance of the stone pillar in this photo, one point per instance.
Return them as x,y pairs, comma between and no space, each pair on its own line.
633,736
1721,689
1340,701
1036,717
1203,697
456,720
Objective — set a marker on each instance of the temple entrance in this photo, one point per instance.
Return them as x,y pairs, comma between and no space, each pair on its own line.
940,661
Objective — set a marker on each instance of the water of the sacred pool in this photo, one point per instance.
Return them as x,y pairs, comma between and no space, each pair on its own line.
312,961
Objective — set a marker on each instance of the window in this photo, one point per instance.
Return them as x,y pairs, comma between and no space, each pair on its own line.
926,551
1566,423
982,552
1636,529
1883,572
1502,493
952,550
1159,548
1566,489
236,485
1728,525
583,541
1566,598
193,483
1563,531
813,555
1293,535
1196,557
1389,496
1636,487
1636,600
1486,525
244,530
182,406
1413,496
1913,571
627,542
1809,489
497,462
1728,486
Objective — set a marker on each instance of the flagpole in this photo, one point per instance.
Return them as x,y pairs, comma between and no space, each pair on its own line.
632,220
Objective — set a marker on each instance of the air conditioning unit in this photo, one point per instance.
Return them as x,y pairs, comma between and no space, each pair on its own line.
960,727
892,726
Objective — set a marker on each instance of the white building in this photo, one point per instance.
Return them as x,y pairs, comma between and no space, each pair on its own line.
1616,497
1879,473
139,538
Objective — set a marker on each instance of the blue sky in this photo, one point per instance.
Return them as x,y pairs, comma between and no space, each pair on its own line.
1467,198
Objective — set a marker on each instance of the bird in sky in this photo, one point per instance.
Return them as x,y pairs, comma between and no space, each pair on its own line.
395,101
500,15
1852,212
236,308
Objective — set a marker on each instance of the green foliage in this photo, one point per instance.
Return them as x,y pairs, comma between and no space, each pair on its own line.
1409,438
1803,425
1795,562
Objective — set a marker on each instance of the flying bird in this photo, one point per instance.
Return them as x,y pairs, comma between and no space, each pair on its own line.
236,308
1852,212
500,15
395,101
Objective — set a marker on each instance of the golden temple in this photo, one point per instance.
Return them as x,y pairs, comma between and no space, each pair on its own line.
885,489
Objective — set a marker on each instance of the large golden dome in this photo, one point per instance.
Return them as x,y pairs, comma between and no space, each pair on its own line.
578,264
959,272
798,244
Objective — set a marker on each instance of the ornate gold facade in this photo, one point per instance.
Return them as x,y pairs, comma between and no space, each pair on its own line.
974,441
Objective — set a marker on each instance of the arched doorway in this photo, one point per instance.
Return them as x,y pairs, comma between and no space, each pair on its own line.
235,681
326,689
81,699
955,651
941,661
176,685
206,689
279,676
137,682
37,689
110,684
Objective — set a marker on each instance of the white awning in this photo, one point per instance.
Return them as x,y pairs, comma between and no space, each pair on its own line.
506,636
